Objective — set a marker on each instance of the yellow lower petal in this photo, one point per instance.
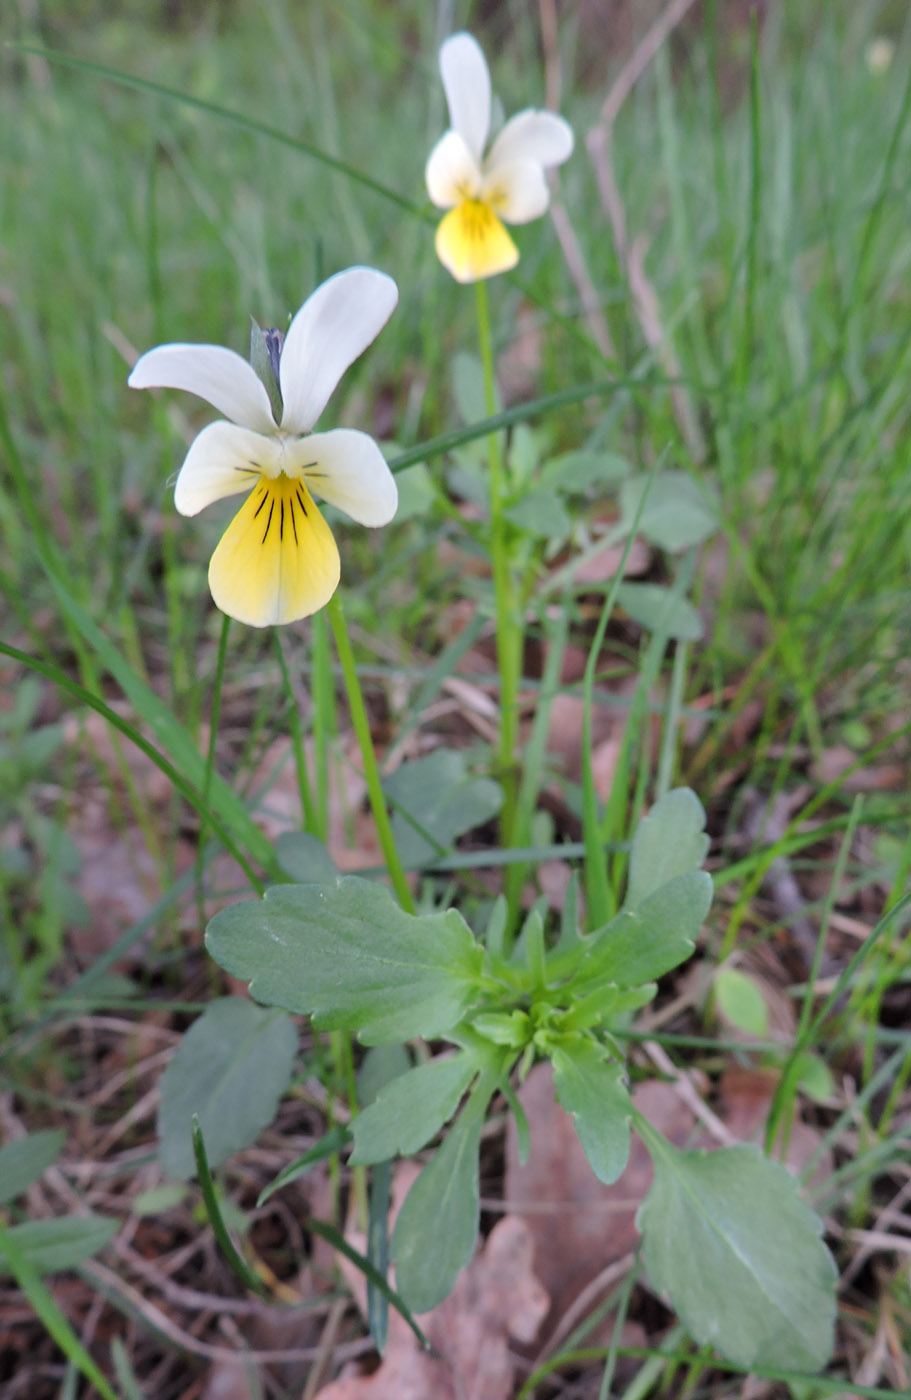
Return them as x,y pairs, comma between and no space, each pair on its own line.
277,561
471,242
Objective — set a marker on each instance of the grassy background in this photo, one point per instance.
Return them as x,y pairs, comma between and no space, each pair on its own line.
772,200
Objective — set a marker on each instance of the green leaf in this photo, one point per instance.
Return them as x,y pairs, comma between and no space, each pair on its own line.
379,1067
417,493
373,1276
348,955
378,1252
410,1110
669,842
729,1240
159,1199
641,944
677,513
541,513
231,1068
219,1211
656,608
304,858
437,800
41,1300
328,1145
52,1245
468,387
437,1227
741,1002
591,1088
814,1076
577,471
23,1162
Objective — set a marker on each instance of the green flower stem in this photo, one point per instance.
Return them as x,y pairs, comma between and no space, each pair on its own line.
214,717
371,770
308,809
323,720
508,621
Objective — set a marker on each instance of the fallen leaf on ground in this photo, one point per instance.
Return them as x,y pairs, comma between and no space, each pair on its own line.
578,1226
497,1298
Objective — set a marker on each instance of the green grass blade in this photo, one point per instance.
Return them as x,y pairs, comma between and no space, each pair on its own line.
224,114
235,1261
186,789
372,1275
45,1308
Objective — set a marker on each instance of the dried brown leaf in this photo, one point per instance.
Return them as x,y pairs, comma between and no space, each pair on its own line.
578,1225
497,1298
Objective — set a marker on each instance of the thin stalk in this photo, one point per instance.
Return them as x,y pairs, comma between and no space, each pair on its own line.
509,632
368,754
323,717
214,717
308,807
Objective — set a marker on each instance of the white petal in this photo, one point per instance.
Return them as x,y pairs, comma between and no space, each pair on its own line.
531,135
452,173
517,192
348,470
333,327
223,461
467,84
217,375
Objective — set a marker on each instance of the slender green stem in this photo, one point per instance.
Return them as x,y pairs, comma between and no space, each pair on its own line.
509,630
214,717
323,720
308,807
368,754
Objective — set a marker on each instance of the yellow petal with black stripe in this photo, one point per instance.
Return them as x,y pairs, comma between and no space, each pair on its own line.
277,561
472,243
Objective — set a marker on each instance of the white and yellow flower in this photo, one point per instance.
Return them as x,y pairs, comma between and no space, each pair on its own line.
479,190
277,561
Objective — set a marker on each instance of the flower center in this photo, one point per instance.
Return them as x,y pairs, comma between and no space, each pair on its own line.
478,220
282,503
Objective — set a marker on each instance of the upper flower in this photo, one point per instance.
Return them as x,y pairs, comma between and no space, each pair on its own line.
508,183
277,561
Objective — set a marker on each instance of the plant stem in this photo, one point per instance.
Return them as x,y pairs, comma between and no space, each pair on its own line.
323,720
308,810
210,762
368,754
509,631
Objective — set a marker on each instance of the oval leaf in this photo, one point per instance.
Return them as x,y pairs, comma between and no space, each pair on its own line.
231,1069
677,512
670,841
657,609
641,944
592,1090
52,1245
22,1162
741,1002
407,1112
437,1227
348,955
304,858
436,800
729,1240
